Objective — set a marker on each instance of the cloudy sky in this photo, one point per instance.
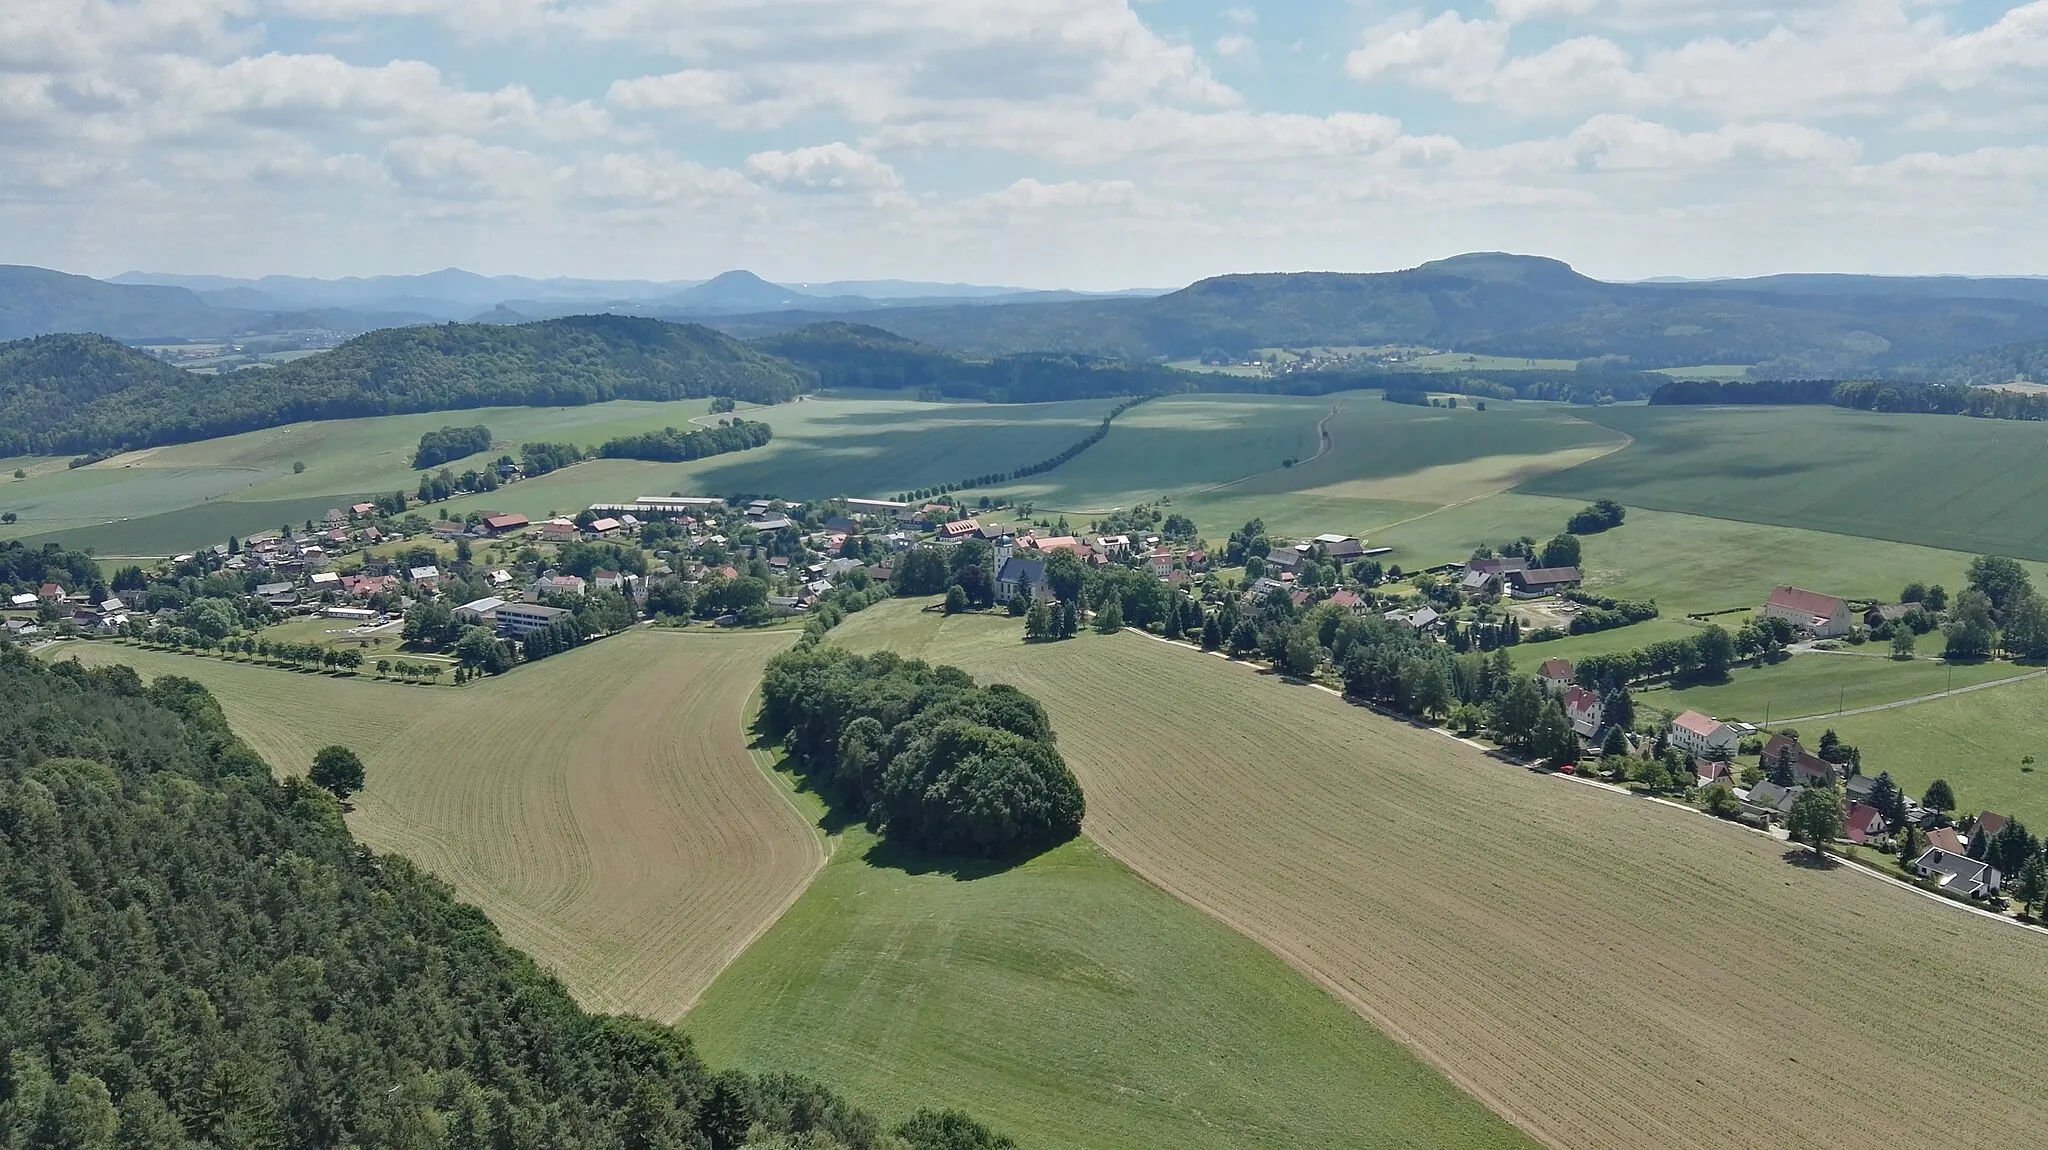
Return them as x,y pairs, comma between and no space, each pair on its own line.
1085,143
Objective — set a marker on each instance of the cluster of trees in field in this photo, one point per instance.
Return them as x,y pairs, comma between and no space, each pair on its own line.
76,392
1600,515
445,484
450,444
200,954
672,446
2000,610
541,458
992,478
1862,395
934,761
1604,612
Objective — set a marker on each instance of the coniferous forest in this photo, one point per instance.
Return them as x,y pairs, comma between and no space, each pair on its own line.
193,954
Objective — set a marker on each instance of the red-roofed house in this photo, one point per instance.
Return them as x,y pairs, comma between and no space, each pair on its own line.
1864,823
1162,562
1703,736
1808,770
1556,675
1351,601
959,529
1988,824
51,593
1707,773
1946,839
1583,709
1810,612
500,524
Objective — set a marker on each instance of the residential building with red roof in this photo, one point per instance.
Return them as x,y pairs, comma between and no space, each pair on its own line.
1556,675
1703,736
1809,612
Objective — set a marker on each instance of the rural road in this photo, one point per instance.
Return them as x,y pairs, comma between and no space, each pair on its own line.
1913,700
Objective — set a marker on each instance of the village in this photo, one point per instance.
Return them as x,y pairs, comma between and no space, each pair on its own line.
484,593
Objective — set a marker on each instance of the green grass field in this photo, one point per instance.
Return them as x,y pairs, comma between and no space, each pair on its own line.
1706,371
1940,481
163,500
1820,684
1219,458
1608,971
1070,1004
1977,741
1528,656
1687,563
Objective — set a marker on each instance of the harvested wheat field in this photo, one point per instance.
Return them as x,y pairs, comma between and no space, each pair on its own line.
601,806
1603,971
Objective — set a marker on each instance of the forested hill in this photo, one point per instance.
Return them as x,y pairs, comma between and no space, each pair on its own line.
80,392
857,355
193,955
1505,305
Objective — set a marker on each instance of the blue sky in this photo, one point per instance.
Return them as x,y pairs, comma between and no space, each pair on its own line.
1085,143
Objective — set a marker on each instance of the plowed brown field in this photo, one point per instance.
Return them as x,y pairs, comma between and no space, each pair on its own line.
601,806
1603,971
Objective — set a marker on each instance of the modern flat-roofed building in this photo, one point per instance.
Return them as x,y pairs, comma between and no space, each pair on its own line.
518,620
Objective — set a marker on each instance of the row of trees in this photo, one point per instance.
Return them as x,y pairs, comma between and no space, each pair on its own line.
672,446
934,761
1863,395
1041,467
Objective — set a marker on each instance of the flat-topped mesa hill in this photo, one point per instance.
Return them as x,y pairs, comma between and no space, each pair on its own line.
66,393
1515,305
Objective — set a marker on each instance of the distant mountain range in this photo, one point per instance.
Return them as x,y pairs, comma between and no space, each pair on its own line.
1509,305
1830,326
454,294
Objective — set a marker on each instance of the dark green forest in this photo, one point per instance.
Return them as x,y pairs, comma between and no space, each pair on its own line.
935,762
195,955
72,393
1861,395
856,355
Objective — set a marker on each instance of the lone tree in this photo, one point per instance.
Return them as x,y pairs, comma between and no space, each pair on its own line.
338,771
1939,797
1816,819
956,599
2032,884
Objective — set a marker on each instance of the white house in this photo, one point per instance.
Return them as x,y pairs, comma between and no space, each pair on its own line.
1703,736
1809,612
1556,675
1958,874
1024,577
1584,710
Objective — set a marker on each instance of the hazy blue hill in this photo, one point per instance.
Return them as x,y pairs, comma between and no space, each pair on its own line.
36,301
737,291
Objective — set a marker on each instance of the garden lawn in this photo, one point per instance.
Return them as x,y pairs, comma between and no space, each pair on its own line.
1069,1004
1528,656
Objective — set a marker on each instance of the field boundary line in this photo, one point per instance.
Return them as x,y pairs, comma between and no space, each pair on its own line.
1627,441
1325,444
823,846
1917,699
